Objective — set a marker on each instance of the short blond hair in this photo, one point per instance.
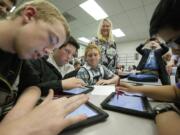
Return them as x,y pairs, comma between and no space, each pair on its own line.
46,11
99,35
90,47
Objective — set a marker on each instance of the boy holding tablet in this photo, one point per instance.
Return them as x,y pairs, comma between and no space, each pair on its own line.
34,29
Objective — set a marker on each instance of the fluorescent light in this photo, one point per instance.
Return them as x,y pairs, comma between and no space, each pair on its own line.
118,33
84,39
12,9
93,9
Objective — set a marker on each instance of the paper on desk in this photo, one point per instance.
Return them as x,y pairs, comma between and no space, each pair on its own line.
103,90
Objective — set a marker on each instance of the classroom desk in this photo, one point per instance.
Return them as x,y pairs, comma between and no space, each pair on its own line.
116,123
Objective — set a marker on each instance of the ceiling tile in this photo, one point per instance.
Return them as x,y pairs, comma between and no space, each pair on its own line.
137,16
147,2
111,7
131,4
64,5
120,20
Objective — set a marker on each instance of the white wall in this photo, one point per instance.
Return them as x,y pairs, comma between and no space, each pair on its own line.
127,52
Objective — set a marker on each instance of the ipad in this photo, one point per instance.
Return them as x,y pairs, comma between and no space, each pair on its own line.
93,113
84,109
128,103
76,91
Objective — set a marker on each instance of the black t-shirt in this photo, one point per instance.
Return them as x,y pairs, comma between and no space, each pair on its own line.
10,66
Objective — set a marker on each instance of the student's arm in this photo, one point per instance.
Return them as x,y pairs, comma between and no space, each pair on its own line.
164,49
30,76
168,123
139,49
114,79
72,83
109,77
164,93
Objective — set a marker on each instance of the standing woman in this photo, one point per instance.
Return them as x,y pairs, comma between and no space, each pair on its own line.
105,42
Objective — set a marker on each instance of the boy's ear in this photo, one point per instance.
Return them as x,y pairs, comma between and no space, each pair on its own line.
28,13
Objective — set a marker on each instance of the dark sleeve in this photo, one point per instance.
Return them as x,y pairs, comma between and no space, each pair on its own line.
32,74
46,78
164,49
28,76
71,74
139,49
56,85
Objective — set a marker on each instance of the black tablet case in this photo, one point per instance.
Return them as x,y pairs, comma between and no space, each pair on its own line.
102,115
148,113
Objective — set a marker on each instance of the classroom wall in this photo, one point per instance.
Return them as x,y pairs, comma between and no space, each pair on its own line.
81,50
127,52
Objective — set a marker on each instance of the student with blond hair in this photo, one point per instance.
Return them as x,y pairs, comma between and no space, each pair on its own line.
33,30
92,72
105,41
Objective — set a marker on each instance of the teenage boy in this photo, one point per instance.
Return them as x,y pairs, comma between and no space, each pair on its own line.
47,72
35,28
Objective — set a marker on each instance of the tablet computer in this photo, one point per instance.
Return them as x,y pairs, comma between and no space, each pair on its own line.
76,91
128,103
93,113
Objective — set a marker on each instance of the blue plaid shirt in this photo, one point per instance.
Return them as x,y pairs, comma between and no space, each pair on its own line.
84,74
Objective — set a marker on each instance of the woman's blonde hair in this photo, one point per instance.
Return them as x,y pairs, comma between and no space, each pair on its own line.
100,36
46,11
90,47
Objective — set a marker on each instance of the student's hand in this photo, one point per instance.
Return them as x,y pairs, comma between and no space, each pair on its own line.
72,83
48,118
125,87
103,82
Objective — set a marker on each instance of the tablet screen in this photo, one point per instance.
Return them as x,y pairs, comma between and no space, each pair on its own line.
77,90
129,102
83,109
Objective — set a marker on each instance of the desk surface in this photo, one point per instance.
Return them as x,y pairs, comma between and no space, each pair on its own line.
116,123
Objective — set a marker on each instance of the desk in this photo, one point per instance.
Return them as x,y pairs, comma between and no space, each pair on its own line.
116,123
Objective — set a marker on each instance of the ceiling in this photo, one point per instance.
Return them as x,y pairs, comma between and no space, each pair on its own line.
131,16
